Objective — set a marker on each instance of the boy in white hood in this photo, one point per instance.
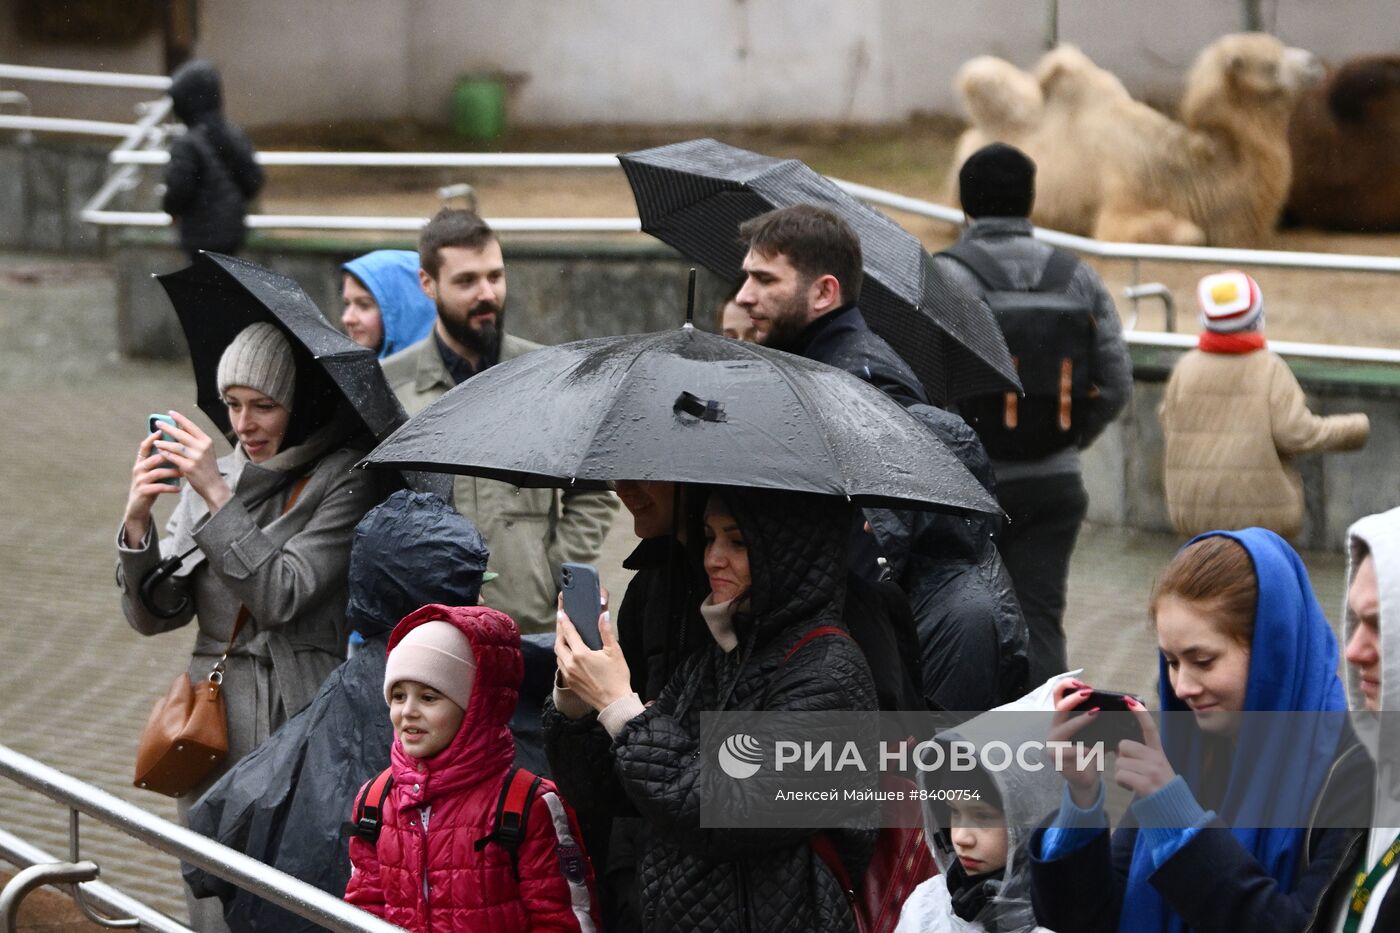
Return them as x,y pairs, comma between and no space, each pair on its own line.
983,884
1371,899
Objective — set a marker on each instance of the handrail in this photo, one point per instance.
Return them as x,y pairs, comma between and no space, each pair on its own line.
406,159
1108,250
350,222
63,125
75,76
266,882
1316,351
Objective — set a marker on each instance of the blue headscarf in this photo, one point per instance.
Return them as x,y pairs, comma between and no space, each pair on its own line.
1292,666
391,275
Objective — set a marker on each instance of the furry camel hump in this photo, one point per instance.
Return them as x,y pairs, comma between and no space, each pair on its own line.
1001,100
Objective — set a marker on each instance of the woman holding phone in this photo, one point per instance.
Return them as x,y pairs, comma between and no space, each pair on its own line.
1238,819
269,530
775,563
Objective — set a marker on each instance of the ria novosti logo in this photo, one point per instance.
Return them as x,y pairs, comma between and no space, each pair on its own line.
740,756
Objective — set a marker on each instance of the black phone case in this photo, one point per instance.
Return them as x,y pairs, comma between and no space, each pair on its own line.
582,601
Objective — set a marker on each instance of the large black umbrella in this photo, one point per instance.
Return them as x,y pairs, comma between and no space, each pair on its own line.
217,296
684,406
694,195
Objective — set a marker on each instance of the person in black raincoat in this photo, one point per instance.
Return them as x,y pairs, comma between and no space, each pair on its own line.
212,174
972,637
645,760
286,802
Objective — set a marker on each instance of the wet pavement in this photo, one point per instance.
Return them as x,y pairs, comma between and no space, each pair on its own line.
76,682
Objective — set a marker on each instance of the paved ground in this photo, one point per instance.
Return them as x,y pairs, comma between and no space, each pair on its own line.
76,682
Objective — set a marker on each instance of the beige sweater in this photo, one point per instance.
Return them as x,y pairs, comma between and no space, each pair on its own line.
1232,424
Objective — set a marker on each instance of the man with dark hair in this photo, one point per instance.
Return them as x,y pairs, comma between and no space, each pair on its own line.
1059,319
802,279
530,531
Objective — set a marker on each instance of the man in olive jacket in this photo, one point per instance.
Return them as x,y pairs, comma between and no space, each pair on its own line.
530,531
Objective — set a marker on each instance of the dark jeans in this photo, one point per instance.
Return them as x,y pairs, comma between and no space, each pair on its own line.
1036,543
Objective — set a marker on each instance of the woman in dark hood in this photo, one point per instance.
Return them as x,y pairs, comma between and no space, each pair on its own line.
212,174
776,566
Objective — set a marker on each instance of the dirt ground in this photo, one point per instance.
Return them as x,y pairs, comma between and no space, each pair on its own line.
910,159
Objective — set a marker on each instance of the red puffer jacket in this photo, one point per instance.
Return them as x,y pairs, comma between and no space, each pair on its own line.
426,872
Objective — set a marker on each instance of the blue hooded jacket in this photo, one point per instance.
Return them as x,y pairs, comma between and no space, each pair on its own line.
391,276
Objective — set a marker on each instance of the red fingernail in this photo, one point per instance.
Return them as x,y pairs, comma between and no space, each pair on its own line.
1093,712
1085,692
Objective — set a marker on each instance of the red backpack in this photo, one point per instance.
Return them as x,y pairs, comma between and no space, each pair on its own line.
901,860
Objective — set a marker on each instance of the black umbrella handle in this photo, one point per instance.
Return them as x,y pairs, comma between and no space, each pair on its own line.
152,580
690,299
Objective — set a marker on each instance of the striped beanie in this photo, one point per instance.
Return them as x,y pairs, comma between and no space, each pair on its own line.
260,358
1230,302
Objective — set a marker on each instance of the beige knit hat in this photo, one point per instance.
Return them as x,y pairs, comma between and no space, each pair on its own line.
436,654
260,358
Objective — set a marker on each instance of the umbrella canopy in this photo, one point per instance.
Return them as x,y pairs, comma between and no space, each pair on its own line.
694,195
683,406
217,296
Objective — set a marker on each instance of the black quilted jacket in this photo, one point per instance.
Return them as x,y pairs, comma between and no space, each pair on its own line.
752,880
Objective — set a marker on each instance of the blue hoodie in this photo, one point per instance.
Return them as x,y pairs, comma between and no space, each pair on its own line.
391,275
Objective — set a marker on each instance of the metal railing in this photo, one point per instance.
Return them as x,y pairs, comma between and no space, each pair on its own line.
142,147
266,882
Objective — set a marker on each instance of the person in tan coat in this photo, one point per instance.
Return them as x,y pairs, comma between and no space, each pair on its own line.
531,532
1233,419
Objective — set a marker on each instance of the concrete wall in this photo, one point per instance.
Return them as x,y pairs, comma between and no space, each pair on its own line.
43,186
655,61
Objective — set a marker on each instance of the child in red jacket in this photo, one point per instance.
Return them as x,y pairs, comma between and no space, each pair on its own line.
440,861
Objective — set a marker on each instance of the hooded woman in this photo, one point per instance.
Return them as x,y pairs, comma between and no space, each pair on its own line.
269,529
212,174
776,567
385,308
1239,632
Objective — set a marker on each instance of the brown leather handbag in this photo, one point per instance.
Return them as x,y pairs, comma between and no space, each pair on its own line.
186,735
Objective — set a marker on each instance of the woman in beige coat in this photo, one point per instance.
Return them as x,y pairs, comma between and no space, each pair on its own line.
1233,419
283,558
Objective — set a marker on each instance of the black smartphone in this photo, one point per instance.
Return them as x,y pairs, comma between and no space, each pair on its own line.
583,601
156,423
1111,729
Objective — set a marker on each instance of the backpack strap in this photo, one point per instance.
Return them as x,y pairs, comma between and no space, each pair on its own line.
518,792
1059,269
981,264
815,633
367,817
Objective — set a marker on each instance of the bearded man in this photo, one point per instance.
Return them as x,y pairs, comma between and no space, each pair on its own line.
530,531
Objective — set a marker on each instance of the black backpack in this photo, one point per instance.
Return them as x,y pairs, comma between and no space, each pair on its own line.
1050,334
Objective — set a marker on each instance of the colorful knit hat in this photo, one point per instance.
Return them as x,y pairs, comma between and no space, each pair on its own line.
436,654
1230,302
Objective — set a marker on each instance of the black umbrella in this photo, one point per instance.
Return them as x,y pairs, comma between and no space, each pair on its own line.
217,296
694,195
684,406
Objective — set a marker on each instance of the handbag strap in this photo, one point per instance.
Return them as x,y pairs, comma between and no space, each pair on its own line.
216,675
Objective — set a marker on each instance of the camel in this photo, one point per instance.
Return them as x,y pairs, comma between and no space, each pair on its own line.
1115,169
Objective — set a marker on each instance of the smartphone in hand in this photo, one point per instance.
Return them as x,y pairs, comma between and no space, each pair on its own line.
583,601
156,423
1110,730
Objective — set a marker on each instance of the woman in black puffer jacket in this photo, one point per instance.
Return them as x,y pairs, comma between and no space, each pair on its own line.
776,564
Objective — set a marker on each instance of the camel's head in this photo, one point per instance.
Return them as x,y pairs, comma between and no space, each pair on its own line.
1250,70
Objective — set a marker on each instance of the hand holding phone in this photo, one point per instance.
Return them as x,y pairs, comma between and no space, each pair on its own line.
583,601
156,423
1110,730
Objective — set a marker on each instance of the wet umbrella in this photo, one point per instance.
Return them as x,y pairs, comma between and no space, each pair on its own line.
217,296
694,195
684,406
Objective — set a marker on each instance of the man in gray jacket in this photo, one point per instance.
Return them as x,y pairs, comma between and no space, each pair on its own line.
1043,496
530,531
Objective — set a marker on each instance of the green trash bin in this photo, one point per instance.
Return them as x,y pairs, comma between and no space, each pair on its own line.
479,107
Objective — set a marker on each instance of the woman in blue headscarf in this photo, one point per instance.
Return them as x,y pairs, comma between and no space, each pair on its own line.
385,308
1239,630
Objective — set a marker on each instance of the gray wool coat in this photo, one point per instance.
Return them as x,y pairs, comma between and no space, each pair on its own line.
289,570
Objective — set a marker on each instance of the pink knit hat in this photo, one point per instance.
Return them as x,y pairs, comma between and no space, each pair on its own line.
437,655
1230,302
